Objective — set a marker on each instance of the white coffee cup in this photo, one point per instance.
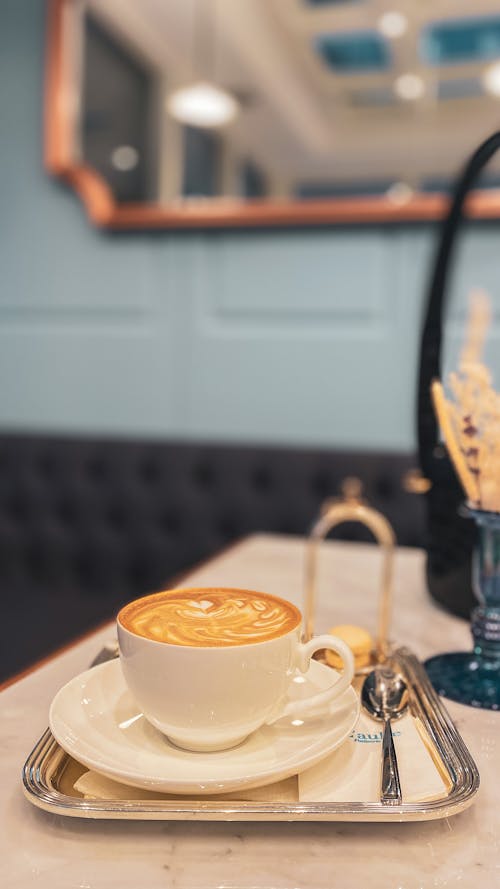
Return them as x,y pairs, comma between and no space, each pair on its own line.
207,697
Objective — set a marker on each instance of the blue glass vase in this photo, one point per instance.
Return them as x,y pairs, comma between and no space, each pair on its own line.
474,677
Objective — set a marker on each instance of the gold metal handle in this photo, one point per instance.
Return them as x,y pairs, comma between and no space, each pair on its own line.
352,507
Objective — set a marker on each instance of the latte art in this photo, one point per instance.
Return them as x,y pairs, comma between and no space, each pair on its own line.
209,617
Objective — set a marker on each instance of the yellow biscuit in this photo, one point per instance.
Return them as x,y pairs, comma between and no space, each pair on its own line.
359,641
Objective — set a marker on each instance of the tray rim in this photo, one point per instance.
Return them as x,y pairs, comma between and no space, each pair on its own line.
47,760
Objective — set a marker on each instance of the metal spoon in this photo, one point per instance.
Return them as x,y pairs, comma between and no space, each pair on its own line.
384,695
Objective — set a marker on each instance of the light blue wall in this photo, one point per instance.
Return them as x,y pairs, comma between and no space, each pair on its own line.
291,337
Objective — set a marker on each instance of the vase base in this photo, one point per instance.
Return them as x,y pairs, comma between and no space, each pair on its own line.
463,677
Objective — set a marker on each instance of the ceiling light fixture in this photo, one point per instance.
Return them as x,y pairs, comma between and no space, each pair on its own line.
392,24
202,105
124,158
400,193
409,87
491,79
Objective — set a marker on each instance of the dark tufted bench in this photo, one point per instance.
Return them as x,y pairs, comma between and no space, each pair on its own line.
86,524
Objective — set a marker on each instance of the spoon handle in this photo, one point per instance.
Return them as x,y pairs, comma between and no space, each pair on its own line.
391,787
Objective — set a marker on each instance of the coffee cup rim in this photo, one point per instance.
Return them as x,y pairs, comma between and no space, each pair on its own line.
223,589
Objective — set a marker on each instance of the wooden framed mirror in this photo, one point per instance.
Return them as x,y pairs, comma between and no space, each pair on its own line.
341,115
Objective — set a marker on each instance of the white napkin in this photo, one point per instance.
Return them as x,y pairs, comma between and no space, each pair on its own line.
352,773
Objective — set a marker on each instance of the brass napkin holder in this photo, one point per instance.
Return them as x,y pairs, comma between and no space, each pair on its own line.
351,507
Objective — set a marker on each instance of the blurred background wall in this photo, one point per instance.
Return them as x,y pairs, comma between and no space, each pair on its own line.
303,336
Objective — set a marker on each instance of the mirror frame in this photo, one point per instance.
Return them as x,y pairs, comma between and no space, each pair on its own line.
105,212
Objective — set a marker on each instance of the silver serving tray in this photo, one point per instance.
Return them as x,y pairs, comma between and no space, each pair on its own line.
50,773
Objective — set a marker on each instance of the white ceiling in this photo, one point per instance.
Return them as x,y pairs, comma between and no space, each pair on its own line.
301,121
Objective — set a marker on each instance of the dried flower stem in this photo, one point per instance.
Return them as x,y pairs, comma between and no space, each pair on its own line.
444,413
471,422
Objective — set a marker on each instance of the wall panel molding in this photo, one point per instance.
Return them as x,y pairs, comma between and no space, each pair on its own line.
288,279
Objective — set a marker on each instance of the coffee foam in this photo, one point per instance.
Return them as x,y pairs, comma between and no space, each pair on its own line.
214,617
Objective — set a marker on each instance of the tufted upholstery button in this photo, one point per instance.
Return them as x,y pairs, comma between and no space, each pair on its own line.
385,487
17,508
170,523
43,557
66,511
46,466
285,526
149,471
228,527
83,569
117,516
97,469
261,479
203,475
321,484
36,563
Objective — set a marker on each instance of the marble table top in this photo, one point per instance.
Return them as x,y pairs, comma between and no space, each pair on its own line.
45,850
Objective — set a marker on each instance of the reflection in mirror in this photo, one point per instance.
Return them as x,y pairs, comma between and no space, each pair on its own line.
179,102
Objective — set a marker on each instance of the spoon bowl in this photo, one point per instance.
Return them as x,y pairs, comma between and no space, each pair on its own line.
384,694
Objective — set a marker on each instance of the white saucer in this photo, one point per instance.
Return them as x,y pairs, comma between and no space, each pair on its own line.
96,720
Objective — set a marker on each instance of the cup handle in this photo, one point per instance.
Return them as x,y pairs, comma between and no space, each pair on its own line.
304,655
